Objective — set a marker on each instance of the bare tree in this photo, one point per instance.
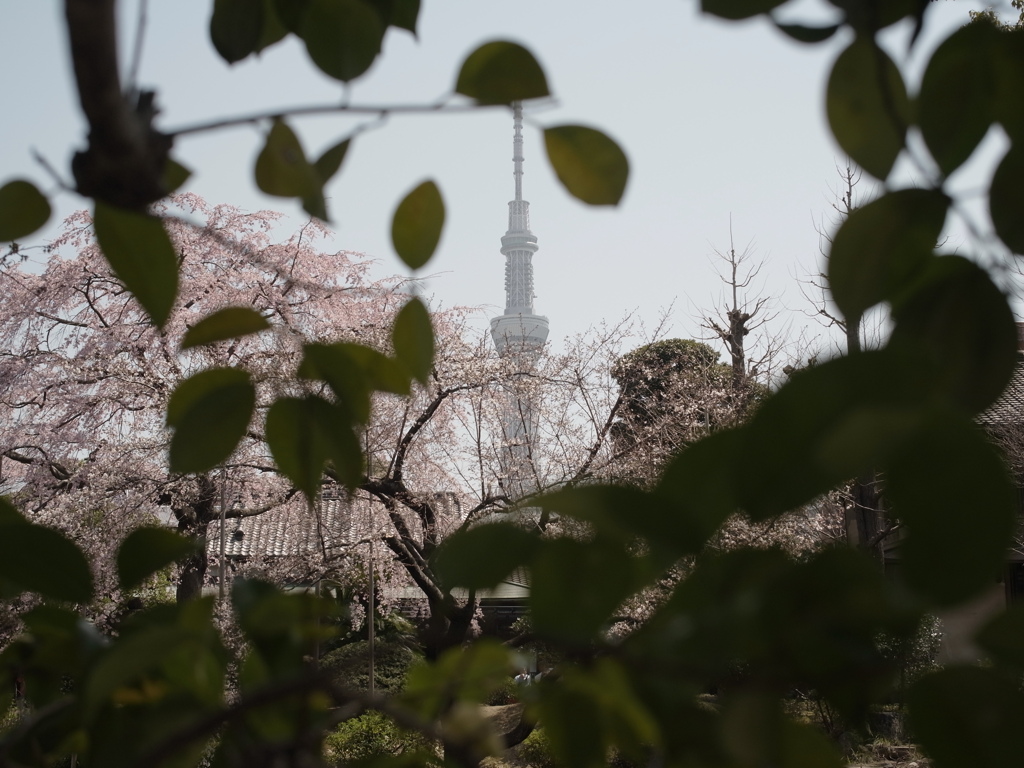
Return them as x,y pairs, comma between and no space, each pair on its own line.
744,309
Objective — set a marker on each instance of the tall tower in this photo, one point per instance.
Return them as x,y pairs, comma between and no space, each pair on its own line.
519,334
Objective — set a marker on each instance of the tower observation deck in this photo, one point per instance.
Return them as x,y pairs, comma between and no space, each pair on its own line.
519,330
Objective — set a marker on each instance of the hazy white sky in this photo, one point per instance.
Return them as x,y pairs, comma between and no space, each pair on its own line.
718,120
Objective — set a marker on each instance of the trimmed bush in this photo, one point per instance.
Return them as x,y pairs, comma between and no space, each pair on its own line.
349,665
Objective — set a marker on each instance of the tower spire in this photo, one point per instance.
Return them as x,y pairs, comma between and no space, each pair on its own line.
518,328
519,334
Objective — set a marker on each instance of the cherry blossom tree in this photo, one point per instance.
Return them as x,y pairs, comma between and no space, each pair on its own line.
86,379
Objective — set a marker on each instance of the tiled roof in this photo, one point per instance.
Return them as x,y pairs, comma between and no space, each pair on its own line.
1009,408
286,531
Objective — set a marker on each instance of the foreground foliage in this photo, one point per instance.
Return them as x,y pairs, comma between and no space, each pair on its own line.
751,625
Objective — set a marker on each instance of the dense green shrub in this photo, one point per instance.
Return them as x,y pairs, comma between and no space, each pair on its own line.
373,735
349,665
536,751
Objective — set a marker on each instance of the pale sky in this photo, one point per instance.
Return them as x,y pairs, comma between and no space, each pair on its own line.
718,120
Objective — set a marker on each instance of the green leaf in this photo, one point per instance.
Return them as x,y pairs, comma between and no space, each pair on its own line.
810,435
805,34
141,255
175,175
1006,199
347,373
9,514
129,659
968,716
882,246
956,104
417,224
500,72
343,37
227,323
382,373
23,210
145,551
624,513
955,326
590,165
868,16
1002,638
574,616
867,106
42,560
399,13
236,27
1009,73
413,339
330,161
291,12
295,444
700,482
738,9
282,169
274,30
948,469
303,433
480,557
210,413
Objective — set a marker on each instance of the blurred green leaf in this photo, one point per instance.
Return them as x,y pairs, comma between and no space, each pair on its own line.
417,224
500,72
624,513
334,364
282,169
571,719
867,106
303,433
804,439
175,175
227,323
210,413
382,373
9,514
462,674
968,716
955,326
274,29
805,34
343,37
1008,67
738,9
882,246
590,165
399,13
291,12
45,561
23,210
236,27
700,482
1002,638
141,255
145,551
413,339
131,657
330,161
1006,199
868,16
951,488
955,106
606,573
480,557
